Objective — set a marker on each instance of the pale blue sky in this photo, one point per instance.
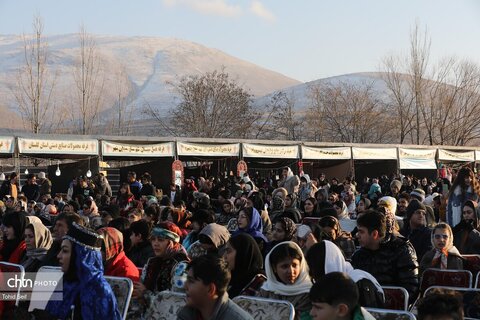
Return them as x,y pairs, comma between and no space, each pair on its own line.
305,40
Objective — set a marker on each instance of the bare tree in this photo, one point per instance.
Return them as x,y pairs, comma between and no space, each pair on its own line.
280,120
89,81
350,113
34,83
212,105
125,95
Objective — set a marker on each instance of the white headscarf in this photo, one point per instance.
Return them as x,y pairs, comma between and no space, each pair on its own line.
335,262
301,285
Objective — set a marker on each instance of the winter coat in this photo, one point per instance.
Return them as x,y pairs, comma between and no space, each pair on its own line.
140,254
291,182
121,266
454,261
466,238
420,239
31,191
393,264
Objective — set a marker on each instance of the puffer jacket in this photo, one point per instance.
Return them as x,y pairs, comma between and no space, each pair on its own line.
393,264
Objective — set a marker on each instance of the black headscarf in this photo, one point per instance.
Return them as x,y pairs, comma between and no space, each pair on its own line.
18,221
248,262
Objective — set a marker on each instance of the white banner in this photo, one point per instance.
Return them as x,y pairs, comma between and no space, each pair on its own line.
269,151
208,150
446,155
417,158
47,146
137,150
374,153
336,153
477,155
7,145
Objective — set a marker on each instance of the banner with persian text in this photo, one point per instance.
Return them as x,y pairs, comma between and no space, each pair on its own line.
137,150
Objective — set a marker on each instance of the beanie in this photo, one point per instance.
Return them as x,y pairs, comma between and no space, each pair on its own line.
413,206
418,194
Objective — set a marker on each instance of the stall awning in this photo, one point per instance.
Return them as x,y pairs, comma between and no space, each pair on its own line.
270,151
447,155
374,153
48,146
336,153
208,150
7,145
477,155
417,158
137,150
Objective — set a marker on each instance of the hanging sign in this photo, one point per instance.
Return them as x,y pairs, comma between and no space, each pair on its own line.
208,150
47,146
336,153
137,150
270,151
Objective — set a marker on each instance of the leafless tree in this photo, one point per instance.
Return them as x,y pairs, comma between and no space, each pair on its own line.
211,105
350,113
35,83
89,81
280,120
125,95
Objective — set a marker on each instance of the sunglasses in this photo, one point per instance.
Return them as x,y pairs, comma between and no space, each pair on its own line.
441,236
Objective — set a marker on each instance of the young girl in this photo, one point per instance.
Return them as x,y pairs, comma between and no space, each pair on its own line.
466,234
287,277
249,221
13,246
444,255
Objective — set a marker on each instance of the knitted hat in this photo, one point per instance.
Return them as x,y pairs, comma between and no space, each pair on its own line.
396,183
413,206
418,194
41,175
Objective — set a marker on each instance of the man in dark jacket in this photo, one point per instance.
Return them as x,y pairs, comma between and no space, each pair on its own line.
135,186
415,228
390,259
141,249
31,189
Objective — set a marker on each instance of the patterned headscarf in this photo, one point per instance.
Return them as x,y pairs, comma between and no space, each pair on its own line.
113,242
289,226
441,254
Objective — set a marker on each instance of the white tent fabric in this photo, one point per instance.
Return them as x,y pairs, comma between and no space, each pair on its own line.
448,155
270,151
374,153
335,153
417,158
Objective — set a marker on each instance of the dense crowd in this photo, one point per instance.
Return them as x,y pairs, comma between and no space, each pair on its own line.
292,238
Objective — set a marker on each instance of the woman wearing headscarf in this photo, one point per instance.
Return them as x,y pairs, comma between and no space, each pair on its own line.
211,240
291,208
227,212
181,218
325,257
330,230
287,277
38,240
466,234
342,210
244,260
249,221
465,187
157,273
115,261
86,293
284,229
444,255
13,247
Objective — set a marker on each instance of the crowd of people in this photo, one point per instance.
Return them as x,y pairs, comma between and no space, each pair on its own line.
289,239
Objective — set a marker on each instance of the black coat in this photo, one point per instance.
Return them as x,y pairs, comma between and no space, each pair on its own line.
393,264
420,239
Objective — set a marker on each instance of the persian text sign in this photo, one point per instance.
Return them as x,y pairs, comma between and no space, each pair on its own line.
39,146
374,153
136,150
218,150
468,156
337,153
267,151
417,158
6,144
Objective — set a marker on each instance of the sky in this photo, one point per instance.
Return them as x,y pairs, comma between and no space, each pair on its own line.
303,39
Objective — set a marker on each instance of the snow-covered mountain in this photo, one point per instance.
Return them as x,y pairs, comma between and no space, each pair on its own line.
300,93
149,63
